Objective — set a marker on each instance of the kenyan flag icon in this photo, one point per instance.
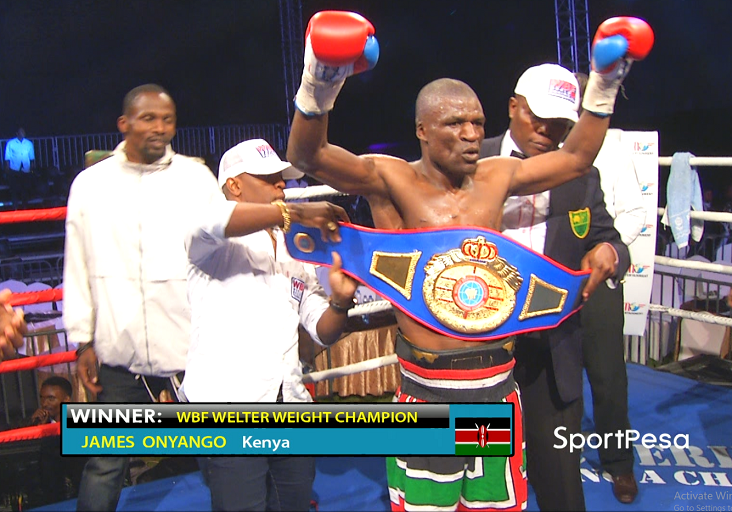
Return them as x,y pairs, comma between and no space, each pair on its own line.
484,437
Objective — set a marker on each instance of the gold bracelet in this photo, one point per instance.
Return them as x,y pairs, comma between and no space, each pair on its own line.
285,215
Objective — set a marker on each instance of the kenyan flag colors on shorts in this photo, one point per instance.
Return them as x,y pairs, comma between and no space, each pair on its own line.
483,437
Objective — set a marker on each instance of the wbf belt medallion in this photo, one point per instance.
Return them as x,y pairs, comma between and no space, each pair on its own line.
471,289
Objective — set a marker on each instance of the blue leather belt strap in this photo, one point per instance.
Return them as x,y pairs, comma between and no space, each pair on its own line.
469,283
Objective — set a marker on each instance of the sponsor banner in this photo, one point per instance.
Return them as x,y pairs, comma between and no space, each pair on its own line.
643,148
195,429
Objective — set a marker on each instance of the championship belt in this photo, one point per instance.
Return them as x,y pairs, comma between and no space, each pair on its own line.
469,283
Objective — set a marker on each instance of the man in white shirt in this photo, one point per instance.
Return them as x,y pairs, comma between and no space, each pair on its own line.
248,297
125,302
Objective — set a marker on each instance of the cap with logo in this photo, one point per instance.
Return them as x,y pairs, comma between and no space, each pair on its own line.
254,157
551,91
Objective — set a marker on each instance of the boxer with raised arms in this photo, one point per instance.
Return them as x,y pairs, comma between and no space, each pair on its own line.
449,186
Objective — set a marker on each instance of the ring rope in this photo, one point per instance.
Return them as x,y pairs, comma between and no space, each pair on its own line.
31,363
33,215
692,264
312,191
350,369
28,433
372,364
710,161
367,308
702,316
705,215
27,298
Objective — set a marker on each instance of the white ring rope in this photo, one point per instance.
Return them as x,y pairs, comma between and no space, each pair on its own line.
702,316
372,364
713,216
350,369
367,308
309,192
693,264
711,161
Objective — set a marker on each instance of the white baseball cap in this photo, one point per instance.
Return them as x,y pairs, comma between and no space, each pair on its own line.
255,157
551,91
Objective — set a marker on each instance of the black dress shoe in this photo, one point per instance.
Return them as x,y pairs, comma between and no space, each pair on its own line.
625,488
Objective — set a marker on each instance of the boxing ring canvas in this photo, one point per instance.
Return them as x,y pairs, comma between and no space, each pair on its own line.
697,477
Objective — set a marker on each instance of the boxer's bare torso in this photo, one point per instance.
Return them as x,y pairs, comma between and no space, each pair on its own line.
448,185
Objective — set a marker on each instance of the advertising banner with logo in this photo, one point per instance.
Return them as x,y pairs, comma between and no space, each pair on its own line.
643,147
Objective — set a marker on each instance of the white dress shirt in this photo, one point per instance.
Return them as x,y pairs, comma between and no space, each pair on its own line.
524,217
246,304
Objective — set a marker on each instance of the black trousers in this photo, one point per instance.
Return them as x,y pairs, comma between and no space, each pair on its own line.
604,360
20,184
554,473
103,477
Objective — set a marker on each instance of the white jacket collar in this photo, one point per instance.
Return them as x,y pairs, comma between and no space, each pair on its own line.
161,163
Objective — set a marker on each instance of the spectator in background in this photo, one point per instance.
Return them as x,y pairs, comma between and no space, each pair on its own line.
60,475
20,159
125,302
54,392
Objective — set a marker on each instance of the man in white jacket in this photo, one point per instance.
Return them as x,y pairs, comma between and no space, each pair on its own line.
125,302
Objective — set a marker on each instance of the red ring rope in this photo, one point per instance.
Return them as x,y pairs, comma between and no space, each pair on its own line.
33,215
25,298
27,433
31,363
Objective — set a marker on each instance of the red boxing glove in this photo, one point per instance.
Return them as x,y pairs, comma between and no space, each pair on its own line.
338,44
338,38
617,43
637,32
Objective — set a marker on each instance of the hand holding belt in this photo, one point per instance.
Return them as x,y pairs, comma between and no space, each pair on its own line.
466,282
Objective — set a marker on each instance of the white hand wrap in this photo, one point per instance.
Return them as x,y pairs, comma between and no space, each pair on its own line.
602,89
320,84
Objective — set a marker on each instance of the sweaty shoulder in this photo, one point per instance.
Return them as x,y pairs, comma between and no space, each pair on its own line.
387,162
390,170
495,167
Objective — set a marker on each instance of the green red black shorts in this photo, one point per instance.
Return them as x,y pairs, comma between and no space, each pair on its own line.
483,374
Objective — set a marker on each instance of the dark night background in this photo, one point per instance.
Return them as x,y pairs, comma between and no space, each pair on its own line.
65,65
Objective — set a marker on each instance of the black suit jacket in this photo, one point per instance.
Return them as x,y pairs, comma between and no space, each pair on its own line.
564,246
